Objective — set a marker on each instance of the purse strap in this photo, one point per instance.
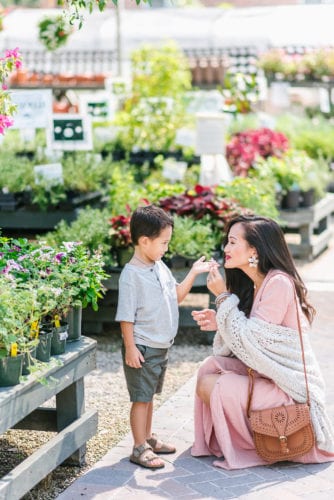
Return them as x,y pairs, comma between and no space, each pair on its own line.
251,372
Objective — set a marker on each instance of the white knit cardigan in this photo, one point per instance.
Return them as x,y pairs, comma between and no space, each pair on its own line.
275,352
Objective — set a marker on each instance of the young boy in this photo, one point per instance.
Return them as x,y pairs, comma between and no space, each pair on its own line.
148,314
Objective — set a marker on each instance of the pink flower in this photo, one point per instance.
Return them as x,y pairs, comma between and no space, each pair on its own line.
5,122
14,53
245,147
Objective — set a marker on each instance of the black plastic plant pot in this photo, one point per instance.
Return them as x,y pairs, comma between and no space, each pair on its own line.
43,351
28,360
58,339
10,370
74,318
307,198
291,200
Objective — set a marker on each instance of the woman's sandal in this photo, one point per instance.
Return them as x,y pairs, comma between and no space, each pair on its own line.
143,455
159,447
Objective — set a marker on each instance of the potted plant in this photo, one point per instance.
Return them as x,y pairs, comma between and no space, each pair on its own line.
314,180
246,147
160,78
120,237
258,197
16,307
191,239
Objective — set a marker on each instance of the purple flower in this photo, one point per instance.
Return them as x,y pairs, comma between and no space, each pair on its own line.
59,256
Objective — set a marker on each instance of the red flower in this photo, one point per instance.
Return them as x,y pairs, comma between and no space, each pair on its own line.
120,231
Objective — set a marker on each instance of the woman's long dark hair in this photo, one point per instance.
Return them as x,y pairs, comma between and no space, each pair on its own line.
266,236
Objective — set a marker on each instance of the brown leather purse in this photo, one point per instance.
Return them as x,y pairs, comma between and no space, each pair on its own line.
286,431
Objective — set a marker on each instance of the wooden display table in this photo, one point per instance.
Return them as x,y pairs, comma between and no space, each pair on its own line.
313,225
20,408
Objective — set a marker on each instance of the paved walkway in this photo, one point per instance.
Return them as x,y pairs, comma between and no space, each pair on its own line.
114,477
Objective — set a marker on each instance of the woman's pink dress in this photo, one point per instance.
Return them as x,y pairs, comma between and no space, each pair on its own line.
223,429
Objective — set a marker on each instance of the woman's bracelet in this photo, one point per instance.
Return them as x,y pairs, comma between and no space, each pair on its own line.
221,297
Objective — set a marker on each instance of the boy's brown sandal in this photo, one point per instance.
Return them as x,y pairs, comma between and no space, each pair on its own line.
143,455
159,446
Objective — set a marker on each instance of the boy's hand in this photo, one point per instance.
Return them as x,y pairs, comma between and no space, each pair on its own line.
206,319
203,266
133,357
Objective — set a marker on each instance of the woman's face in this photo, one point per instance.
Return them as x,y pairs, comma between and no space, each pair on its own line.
237,250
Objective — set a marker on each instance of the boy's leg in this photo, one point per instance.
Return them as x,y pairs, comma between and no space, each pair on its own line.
138,421
149,421
158,446
139,415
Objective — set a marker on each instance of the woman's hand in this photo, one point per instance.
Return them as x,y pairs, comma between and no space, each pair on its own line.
215,281
206,319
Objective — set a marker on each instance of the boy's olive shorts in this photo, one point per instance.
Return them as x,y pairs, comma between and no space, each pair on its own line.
148,380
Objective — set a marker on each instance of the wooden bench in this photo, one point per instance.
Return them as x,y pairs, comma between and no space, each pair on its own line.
20,408
312,225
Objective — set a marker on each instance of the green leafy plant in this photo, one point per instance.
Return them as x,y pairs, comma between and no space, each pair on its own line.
192,238
91,228
18,307
314,136
256,196
155,109
15,173
295,169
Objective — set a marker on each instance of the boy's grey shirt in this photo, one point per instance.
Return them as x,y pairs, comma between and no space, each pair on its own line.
147,297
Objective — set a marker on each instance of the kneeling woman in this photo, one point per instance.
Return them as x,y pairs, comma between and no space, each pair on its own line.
257,327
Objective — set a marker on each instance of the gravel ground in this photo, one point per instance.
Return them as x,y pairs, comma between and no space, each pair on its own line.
105,391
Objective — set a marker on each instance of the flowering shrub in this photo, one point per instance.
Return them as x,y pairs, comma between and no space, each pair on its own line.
245,147
11,61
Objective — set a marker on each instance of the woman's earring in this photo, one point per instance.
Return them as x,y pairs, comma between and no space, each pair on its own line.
253,261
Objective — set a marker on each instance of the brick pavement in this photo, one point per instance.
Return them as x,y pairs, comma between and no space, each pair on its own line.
114,477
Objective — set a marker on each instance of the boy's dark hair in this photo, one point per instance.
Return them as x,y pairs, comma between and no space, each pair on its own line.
148,221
